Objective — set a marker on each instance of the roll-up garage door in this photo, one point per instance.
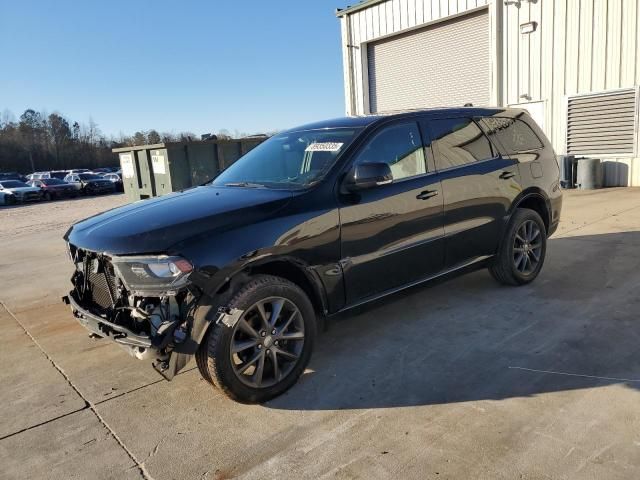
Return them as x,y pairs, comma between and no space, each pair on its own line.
446,64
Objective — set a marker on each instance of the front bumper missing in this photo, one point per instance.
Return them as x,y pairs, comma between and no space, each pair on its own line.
104,328
139,346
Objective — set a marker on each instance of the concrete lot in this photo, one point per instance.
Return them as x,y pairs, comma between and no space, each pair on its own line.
464,379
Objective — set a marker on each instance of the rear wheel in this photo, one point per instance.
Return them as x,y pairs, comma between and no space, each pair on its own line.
265,344
522,250
47,196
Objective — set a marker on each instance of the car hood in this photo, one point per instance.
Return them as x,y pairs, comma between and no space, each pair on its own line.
153,226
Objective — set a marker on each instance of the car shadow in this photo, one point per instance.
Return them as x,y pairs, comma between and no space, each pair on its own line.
470,338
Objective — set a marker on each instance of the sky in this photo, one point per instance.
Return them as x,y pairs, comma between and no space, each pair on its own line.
200,66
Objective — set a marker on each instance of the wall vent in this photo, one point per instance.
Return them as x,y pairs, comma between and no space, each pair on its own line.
602,124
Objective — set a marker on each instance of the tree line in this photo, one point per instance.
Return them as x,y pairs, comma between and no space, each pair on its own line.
39,141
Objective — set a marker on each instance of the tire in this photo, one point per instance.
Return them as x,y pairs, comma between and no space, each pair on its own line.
522,250
47,196
237,374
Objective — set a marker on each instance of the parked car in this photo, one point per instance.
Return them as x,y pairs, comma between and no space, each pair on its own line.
39,175
312,222
102,170
59,174
12,176
7,198
116,180
21,191
79,170
54,188
89,184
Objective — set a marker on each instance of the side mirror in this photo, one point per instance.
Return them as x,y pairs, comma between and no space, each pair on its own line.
368,175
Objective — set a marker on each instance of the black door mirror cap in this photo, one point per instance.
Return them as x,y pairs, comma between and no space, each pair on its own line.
363,176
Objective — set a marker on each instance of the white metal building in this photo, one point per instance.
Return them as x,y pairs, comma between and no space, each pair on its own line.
574,64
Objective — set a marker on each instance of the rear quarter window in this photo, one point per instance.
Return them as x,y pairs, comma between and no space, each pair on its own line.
457,142
510,135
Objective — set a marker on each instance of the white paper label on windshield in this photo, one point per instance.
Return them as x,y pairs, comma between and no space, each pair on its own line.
127,165
324,147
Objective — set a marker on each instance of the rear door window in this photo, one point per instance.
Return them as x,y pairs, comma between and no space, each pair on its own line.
457,142
510,135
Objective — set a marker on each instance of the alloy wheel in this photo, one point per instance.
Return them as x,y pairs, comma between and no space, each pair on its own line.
267,342
527,247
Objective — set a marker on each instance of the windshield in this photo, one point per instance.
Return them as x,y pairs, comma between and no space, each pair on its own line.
89,176
53,181
13,184
288,160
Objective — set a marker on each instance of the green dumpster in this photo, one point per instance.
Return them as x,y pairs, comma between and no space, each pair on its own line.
136,173
152,170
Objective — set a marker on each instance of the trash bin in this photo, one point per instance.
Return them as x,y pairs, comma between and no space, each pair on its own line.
136,173
152,170
129,175
567,164
590,173
183,165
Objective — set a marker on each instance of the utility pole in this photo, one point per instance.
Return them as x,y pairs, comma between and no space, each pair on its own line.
33,168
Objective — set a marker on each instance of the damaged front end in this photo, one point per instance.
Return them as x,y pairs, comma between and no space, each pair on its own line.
144,303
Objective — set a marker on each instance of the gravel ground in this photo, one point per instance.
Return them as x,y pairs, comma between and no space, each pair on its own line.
42,216
465,379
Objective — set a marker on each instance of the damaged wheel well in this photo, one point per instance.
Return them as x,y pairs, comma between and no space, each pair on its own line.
279,268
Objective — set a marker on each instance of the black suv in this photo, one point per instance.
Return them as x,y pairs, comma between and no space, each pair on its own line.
314,221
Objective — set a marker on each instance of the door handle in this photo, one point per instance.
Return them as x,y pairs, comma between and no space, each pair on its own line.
507,175
426,194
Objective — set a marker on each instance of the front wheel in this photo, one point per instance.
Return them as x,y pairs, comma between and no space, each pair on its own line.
522,250
264,344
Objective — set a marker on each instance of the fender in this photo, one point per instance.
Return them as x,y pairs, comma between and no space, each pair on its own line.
211,303
523,196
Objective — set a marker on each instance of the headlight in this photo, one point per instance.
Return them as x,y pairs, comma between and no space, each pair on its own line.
161,274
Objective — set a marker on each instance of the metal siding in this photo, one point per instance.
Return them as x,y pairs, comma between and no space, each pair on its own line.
548,58
628,47
585,65
419,12
511,55
599,46
346,66
614,30
636,55
417,69
579,47
587,46
411,14
397,26
572,46
535,47
524,58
